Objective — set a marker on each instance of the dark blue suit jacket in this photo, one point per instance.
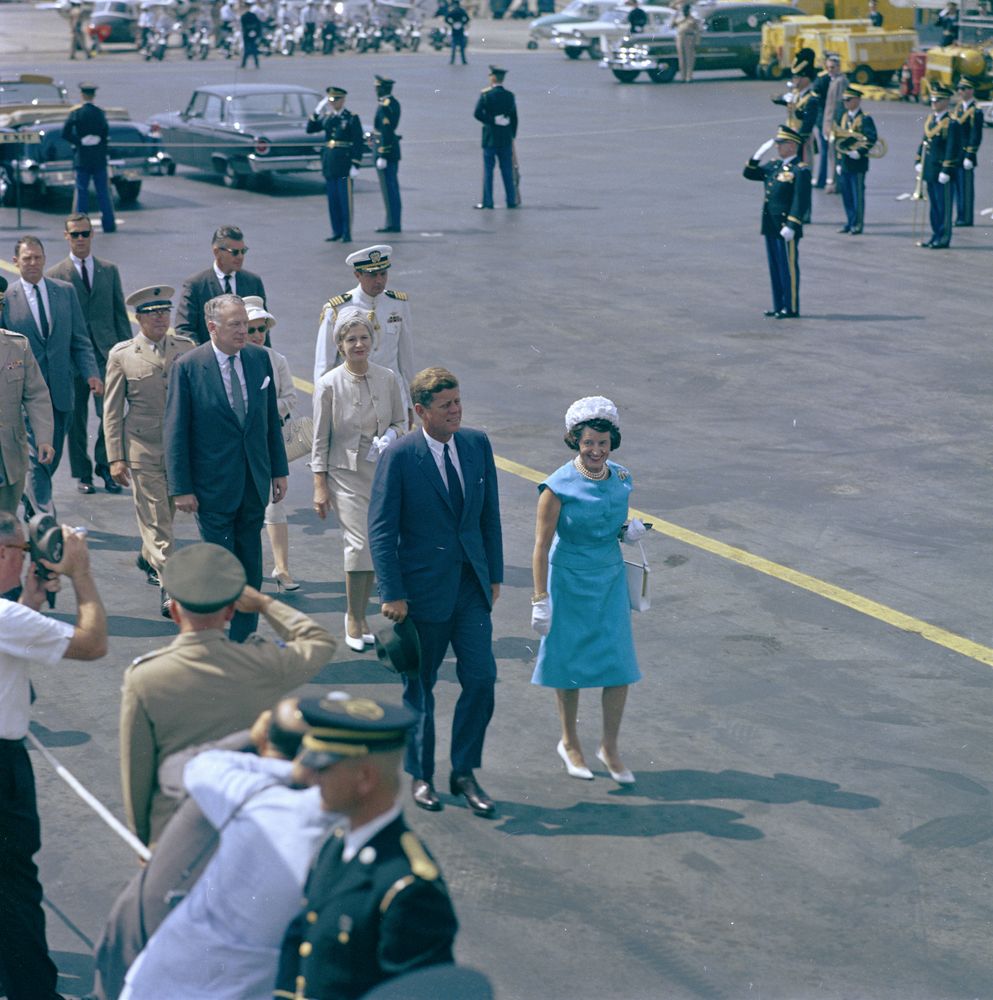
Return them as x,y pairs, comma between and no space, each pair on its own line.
206,452
417,548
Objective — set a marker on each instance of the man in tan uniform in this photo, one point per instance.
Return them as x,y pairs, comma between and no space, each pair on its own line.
204,686
23,385
137,375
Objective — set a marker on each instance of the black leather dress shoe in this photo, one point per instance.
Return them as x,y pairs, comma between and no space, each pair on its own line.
425,796
847,229
165,601
928,245
389,229
771,312
332,239
786,314
85,486
151,576
479,802
108,483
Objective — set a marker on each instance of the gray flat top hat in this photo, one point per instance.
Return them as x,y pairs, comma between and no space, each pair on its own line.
344,727
399,648
203,577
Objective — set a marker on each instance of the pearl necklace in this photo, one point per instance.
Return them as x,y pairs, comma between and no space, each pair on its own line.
586,474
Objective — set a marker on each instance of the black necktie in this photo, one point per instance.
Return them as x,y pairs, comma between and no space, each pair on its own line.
454,486
227,284
42,315
237,399
86,276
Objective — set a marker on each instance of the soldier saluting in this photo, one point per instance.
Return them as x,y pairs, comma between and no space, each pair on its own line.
340,158
937,162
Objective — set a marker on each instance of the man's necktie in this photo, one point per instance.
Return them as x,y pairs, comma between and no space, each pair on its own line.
86,276
227,284
42,315
237,399
454,486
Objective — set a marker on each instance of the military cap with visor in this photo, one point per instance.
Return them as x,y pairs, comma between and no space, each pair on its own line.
204,577
154,298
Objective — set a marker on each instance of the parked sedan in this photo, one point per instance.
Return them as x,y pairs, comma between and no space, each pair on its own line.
245,131
731,39
29,90
45,167
596,37
572,13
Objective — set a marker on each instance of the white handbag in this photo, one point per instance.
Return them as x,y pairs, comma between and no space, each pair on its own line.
637,571
298,437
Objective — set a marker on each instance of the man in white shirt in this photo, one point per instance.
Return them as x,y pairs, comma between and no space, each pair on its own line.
28,638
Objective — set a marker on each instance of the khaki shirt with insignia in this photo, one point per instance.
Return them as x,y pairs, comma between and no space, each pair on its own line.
21,385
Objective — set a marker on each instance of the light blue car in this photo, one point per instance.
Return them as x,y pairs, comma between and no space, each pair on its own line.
574,12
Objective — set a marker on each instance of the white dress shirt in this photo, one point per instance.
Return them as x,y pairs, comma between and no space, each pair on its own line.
83,264
221,276
356,839
224,361
29,293
438,453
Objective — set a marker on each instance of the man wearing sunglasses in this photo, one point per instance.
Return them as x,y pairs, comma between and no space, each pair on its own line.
226,276
98,287
30,639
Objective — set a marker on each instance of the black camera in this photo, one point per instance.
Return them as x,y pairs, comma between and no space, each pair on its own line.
45,538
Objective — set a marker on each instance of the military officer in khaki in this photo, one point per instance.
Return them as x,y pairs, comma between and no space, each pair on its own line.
133,412
203,686
23,390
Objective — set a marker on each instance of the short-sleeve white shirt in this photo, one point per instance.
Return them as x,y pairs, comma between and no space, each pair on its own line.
26,638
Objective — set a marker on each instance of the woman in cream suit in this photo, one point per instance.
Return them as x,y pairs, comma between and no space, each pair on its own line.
358,411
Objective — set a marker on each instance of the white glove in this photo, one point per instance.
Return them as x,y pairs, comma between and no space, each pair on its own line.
501,119
837,170
380,444
787,233
353,172
967,164
634,531
380,162
541,616
322,106
943,178
763,149
918,167
853,154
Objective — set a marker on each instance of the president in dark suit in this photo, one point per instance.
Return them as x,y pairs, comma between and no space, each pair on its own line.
437,547
225,277
224,448
98,287
48,313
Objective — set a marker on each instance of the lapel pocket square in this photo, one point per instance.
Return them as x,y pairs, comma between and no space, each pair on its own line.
265,383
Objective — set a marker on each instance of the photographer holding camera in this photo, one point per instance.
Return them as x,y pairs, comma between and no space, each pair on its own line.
27,638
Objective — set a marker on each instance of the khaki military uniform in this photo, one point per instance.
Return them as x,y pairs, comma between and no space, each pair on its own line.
138,376
21,385
203,686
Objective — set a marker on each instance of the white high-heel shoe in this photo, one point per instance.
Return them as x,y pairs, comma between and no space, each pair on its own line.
574,772
624,777
353,643
284,582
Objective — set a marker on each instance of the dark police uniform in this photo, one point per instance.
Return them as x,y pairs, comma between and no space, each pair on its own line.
940,152
457,19
787,198
343,145
970,121
388,148
497,110
851,178
86,130
385,911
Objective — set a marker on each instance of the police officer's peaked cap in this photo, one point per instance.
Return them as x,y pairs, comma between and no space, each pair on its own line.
787,134
344,727
203,577
939,90
384,84
497,73
851,91
154,298
372,259
87,88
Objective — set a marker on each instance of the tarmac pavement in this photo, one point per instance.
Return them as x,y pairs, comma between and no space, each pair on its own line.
812,812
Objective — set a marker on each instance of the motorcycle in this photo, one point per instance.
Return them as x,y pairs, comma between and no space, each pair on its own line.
440,38
198,43
158,42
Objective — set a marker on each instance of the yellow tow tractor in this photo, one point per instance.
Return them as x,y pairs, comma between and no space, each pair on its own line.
971,56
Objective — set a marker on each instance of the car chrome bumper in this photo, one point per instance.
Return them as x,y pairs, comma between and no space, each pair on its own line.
631,64
563,42
282,164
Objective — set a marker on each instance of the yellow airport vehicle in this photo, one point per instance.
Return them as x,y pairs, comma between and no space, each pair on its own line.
779,43
946,63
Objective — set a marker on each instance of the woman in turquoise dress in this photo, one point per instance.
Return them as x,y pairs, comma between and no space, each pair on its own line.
580,605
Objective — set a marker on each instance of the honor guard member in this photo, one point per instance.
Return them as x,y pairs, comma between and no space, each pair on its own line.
938,158
23,386
388,152
497,110
86,130
787,196
340,158
133,414
854,136
970,120
375,905
804,107
387,309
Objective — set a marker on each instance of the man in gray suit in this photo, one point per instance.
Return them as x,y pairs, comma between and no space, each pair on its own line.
226,276
48,313
98,286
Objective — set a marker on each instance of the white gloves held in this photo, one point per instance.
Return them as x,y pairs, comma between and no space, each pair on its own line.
380,444
786,233
380,162
943,178
918,167
353,172
541,616
837,169
634,531
853,154
967,164
763,149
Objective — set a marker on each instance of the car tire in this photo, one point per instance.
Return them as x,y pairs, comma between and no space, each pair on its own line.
862,75
625,75
230,177
573,51
532,45
664,75
751,71
774,71
127,191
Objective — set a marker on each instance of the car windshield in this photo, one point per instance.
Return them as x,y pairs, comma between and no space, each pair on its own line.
113,7
265,107
16,92
126,142
619,16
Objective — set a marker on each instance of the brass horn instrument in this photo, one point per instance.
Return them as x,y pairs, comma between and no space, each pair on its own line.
846,140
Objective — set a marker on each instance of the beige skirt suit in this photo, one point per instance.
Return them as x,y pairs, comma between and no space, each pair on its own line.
349,411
